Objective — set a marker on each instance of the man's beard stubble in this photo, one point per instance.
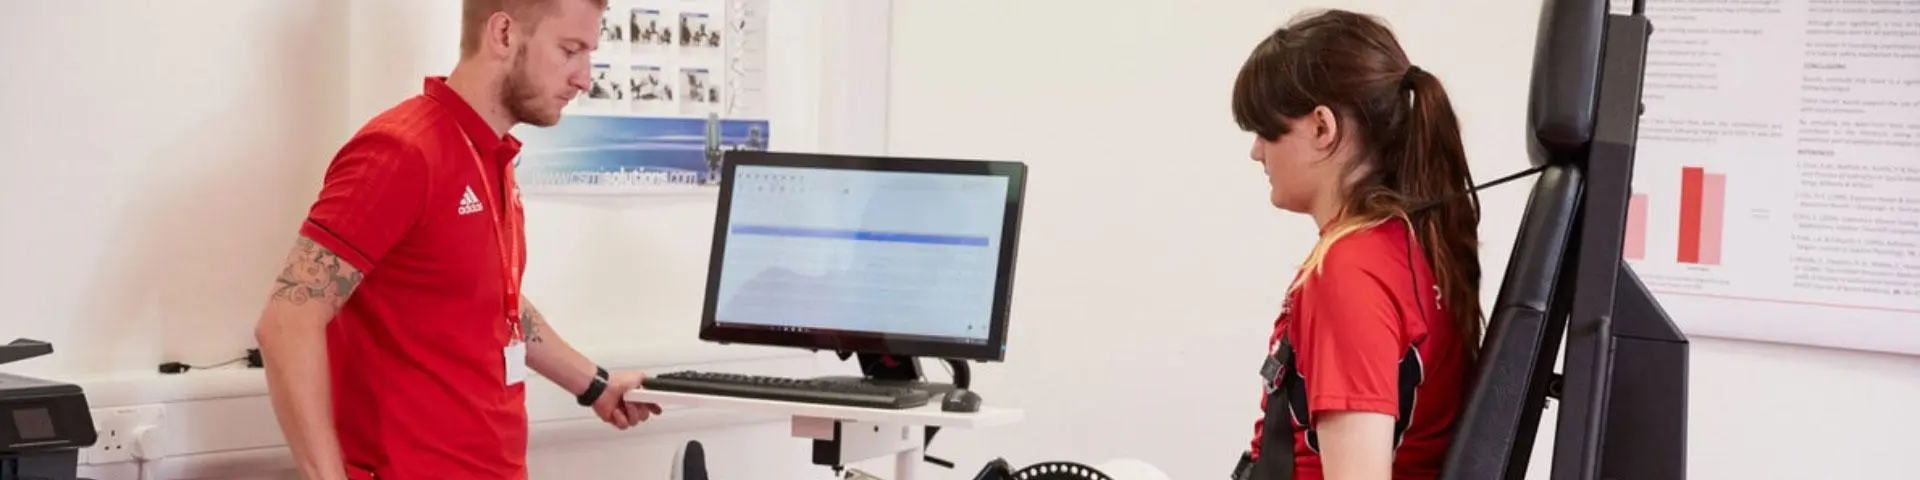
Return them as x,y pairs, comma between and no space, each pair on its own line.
518,94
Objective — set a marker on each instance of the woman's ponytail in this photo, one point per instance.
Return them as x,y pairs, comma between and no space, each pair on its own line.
1433,168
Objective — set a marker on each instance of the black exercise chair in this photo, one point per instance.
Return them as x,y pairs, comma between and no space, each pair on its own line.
1567,269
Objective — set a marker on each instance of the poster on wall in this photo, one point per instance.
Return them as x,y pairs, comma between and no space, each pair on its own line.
1776,191
675,85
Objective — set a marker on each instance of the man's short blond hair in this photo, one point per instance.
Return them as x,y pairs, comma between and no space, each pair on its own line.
474,14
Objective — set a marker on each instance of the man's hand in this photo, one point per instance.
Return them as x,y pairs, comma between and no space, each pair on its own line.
550,355
613,407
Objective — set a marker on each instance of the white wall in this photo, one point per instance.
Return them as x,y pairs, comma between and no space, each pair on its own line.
1151,260
146,160
155,160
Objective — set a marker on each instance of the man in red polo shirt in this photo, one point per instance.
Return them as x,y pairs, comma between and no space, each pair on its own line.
397,343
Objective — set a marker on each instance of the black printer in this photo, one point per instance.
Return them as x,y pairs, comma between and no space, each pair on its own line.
43,424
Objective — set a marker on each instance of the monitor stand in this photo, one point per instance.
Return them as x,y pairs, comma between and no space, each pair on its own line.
900,371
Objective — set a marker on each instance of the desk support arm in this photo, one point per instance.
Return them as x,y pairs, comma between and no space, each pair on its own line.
837,443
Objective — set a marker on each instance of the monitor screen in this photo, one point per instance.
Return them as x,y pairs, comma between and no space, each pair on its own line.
906,257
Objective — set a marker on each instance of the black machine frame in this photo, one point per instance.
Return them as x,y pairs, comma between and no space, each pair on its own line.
1633,425
1624,388
882,356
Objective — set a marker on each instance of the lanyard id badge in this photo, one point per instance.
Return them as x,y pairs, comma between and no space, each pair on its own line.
516,357
506,234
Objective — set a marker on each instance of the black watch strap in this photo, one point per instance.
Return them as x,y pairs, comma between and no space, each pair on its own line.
594,388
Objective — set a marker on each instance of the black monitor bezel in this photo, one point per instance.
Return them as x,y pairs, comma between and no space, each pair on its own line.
994,350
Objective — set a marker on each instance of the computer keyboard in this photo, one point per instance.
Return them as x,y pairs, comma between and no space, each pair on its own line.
825,392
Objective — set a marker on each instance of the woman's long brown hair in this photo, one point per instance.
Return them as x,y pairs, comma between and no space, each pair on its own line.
1409,141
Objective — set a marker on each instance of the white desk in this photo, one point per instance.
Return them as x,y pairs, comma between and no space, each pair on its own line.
863,433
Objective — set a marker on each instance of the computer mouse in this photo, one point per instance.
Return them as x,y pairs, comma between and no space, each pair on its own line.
961,400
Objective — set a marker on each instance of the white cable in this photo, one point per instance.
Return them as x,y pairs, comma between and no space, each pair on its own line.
142,445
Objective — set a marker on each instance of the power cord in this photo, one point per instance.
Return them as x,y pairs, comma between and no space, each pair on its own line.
253,360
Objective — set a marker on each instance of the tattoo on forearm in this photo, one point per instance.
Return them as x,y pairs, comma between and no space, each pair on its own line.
530,323
314,273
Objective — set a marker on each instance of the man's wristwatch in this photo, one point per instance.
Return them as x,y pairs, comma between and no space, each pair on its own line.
594,388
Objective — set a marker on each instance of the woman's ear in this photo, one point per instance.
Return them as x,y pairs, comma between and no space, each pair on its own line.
1326,129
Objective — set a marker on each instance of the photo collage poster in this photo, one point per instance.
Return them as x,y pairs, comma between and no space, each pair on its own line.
676,83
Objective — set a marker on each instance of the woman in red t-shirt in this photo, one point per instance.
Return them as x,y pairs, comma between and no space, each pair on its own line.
1384,317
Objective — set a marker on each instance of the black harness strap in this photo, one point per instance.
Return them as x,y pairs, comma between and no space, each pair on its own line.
1276,435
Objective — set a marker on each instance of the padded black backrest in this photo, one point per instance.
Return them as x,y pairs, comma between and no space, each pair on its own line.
1502,409
1496,430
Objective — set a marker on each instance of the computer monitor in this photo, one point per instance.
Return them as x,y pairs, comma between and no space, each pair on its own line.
879,256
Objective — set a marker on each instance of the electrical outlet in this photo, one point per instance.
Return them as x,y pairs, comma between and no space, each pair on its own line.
119,430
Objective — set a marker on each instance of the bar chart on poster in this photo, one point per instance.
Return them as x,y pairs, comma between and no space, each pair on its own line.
1777,182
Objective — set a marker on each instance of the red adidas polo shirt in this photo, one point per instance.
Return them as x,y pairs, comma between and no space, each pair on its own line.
419,380
1353,325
